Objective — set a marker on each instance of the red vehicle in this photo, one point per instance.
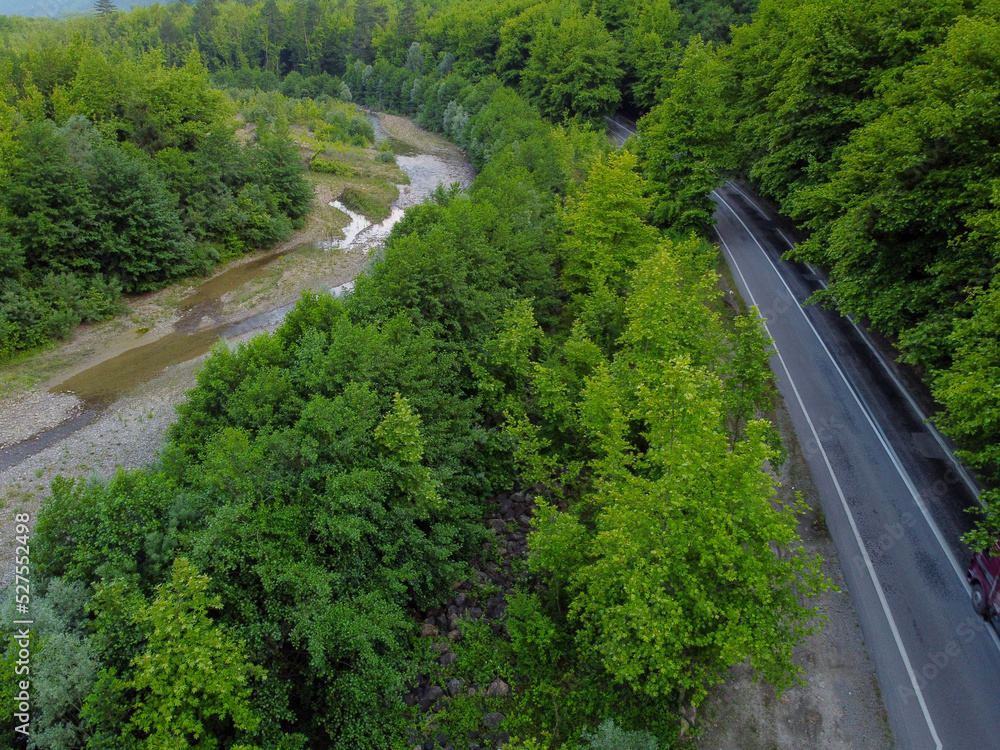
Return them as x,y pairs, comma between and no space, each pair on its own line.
984,578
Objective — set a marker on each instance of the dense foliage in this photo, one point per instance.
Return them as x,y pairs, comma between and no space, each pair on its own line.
119,175
875,125
558,323
158,123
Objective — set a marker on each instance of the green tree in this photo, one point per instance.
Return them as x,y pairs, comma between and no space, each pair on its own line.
275,165
516,37
809,74
573,69
140,239
684,141
908,182
676,578
191,671
275,33
52,212
105,8
414,58
368,14
608,237
648,53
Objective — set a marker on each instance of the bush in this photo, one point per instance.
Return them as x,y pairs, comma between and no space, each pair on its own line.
609,736
361,202
328,166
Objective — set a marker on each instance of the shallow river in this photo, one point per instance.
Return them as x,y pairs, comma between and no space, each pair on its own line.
191,337
202,323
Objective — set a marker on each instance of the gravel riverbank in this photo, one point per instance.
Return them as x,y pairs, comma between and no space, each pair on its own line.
44,434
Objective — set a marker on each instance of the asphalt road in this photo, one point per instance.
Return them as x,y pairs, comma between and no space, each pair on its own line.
893,497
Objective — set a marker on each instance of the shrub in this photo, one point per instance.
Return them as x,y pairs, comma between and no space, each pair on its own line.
609,736
364,203
328,166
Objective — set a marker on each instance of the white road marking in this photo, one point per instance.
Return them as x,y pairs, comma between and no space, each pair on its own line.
843,501
890,452
960,468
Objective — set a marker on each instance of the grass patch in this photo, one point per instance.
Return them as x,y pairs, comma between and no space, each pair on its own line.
30,367
374,201
329,166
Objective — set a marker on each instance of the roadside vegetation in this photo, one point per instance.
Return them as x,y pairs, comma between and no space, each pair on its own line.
876,127
272,580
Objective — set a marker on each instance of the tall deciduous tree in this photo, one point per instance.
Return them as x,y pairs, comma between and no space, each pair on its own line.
669,559
648,53
906,184
191,670
684,141
574,69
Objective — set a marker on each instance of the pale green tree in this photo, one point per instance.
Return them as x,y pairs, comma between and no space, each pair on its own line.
191,670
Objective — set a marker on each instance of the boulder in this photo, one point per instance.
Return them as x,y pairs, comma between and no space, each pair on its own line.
493,720
498,689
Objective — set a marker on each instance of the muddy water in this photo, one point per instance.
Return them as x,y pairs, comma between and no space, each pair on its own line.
199,327
201,322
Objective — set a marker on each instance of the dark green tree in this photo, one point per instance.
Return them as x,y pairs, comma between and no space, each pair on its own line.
52,211
275,33
140,239
685,141
105,8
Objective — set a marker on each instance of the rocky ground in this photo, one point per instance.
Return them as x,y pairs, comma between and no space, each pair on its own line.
509,520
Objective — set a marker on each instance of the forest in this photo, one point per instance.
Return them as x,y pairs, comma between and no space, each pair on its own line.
557,330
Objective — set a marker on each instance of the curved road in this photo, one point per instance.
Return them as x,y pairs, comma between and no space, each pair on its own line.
893,496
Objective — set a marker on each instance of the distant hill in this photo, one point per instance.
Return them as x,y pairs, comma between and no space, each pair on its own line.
56,8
